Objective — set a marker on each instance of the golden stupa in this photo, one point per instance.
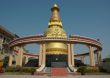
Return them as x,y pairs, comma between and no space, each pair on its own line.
54,30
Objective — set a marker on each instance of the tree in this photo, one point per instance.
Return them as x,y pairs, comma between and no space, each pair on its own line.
5,61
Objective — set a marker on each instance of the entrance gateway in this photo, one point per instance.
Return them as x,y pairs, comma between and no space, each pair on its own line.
56,61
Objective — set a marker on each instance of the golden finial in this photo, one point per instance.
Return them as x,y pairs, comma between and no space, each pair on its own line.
55,7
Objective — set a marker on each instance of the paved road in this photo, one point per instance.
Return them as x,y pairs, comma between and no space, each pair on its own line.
30,76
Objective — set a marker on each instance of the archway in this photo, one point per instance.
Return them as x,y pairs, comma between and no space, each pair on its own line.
56,60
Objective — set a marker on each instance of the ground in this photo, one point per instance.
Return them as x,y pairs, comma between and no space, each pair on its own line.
30,76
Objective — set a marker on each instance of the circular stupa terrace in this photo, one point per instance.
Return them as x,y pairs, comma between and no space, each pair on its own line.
39,39
43,39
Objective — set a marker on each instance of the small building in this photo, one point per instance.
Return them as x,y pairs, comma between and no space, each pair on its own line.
5,37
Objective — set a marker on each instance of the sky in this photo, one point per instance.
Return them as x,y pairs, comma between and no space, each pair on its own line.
89,18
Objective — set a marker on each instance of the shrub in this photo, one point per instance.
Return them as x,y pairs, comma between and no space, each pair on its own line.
87,69
28,69
82,70
101,69
17,68
10,69
20,69
92,69
33,70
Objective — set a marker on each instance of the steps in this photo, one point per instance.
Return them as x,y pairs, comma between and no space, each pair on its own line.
55,72
47,69
59,72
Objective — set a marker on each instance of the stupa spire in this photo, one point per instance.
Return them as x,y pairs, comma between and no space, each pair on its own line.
55,18
55,28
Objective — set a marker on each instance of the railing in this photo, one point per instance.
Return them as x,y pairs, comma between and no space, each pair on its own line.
72,39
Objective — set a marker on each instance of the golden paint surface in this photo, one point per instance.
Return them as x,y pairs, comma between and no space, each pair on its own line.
55,29
56,48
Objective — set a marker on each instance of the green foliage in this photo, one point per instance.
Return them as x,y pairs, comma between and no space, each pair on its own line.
106,60
82,70
17,69
9,69
20,69
5,61
92,69
87,69
28,70
101,69
105,65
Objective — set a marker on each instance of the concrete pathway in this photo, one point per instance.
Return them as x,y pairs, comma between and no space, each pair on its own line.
30,76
